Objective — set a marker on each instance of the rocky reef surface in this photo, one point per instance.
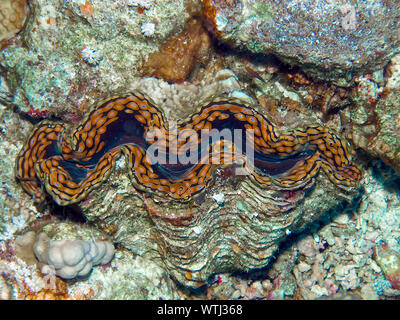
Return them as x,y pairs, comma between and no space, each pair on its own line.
332,40
101,45
238,240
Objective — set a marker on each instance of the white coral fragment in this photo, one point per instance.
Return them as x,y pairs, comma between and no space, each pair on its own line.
72,258
148,28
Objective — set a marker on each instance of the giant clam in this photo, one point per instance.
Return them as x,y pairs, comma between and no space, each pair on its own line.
170,214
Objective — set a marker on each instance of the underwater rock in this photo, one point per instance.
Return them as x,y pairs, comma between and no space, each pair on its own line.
389,260
392,73
129,277
17,212
83,46
234,225
375,128
330,40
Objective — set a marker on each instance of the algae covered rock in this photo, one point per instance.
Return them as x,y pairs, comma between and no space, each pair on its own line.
70,47
375,128
331,40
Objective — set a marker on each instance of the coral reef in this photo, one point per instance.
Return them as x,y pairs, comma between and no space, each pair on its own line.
92,46
331,40
17,213
373,122
129,277
16,284
241,237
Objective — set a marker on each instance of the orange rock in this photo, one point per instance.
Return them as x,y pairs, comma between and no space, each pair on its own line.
180,54
211,10
59,292
86,9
